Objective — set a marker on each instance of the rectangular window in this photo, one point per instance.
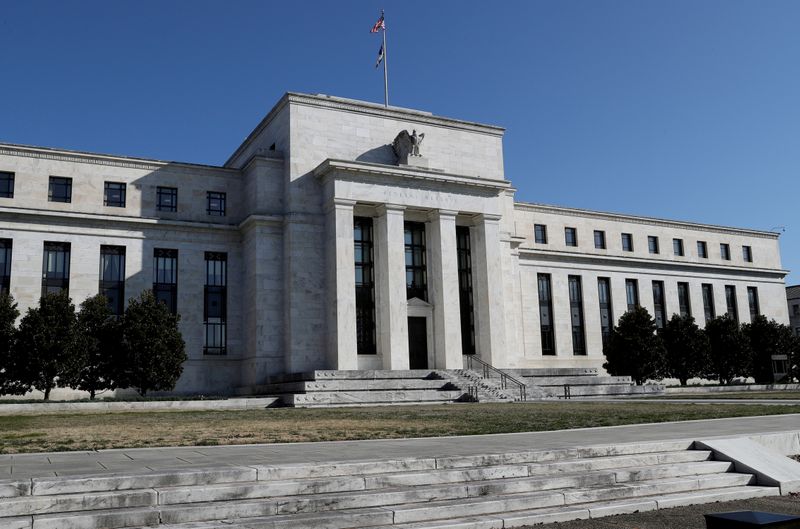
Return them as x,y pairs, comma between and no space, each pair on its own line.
747,254
725,251
55,267
112,277
708,302
416,269
606,310
546,314
540,233
571,236
677,247
659,310
6,184
215,203
576,315
627,242
684,303
796,310
365,285
5,266
730,301
114,195
463,248
632,293
165,277
215,304
167,198
752,299
702,250
652,244
60,189
600,239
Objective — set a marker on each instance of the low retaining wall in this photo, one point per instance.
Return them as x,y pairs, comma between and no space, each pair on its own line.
155,405
723,389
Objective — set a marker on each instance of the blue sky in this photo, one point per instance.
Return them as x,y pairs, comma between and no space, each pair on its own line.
678,109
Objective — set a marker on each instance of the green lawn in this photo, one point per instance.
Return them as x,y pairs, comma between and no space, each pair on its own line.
86,431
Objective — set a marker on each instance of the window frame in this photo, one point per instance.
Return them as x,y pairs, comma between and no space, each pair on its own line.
215,288
725,251
573,232
7,179
59,183
601,243
677,247
123,194
169,288
652,245
627,239
540,229
418,287
6,250
163,192
702,249
747,253
53,281
364,265
218,198
634,302
116,303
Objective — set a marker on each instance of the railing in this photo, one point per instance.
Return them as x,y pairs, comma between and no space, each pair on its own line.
487,370
567,392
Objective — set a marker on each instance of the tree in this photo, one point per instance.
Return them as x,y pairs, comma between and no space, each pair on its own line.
686,348
96,343
767,338
42,353
8,317
634,349
154,350
729,351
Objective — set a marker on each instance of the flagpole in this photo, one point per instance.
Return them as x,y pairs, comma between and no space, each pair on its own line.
385,70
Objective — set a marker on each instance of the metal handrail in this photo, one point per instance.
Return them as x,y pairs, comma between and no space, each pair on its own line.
505,378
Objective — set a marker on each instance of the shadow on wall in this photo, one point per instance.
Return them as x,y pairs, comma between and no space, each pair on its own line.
383,154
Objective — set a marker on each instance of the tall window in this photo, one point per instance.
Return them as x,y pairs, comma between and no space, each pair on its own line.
546,314
60,189
708,301
658,304
215,304
540,233
112,277
465,290
747,254
571,236
702,249
365,285
627,242
114,194
167,198
606,310
165,277
6,184
416,271
677,247
5,266
632,293
215,203
652,244
600,239
684,304
730,301
725,251
576,315
752,299
55,267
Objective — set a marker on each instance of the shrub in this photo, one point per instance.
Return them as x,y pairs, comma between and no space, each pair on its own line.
634,349
8,317
767,338
729,351
686,348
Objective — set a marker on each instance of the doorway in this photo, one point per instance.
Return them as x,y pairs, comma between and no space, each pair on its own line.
417,343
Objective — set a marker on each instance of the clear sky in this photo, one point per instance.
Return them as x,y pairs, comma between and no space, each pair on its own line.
684,109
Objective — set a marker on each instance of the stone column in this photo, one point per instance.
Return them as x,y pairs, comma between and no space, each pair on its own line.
488,290
341,292
443,285
390,287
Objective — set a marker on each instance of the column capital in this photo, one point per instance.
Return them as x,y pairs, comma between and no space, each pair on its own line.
487,218
340,204
385,209
436,214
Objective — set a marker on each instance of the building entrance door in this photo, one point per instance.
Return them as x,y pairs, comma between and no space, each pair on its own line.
417,343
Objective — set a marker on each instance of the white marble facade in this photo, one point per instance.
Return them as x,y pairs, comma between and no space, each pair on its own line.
293,189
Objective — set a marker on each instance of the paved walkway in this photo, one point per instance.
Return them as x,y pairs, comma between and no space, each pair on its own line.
147,459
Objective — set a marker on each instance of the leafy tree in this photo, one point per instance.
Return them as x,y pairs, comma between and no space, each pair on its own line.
8,317
154,350
767,338
686,348
634,349
729,351
42,353
96,343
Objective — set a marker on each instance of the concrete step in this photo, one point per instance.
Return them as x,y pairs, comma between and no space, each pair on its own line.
555,372
604,390
377,374
361,398
307,386
577,380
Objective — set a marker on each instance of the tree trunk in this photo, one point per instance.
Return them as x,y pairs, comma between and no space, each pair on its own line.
91,394
47,393
683,381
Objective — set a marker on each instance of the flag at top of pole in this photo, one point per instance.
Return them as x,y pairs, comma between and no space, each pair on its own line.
381,25
378,25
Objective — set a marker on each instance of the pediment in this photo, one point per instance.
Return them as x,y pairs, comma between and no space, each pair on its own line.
416,302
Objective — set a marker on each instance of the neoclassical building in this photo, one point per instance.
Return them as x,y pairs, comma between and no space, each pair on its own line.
345,235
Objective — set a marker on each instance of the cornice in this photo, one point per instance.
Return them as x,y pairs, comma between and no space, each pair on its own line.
637,219
261,220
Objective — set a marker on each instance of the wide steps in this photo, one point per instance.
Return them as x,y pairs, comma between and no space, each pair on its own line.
361,398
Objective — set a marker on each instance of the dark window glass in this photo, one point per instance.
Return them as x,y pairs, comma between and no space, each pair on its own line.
416,270
571,236
114,195
540,233
576,315
658,304
167,198
752,299
5,265
546,314
677,247
684,304
627,242
632,293
55,267
112,277
6,184
708,302
215,203
600,239
606,310
365,285
796,310
215,304
60,189
747,254
730,301
165,277
652,244
465,290
725,251
702,249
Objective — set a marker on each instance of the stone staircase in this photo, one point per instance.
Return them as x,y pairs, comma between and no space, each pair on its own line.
469,492
582,383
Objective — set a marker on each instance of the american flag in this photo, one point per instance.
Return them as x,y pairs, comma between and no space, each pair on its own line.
380,57
379,25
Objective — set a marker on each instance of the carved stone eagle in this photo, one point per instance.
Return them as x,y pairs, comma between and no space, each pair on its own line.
406,144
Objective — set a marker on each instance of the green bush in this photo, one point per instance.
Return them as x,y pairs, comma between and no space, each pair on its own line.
8,332
767,338
729,350
634,349
686,348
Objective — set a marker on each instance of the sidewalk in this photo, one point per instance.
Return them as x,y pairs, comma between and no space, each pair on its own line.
23,466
